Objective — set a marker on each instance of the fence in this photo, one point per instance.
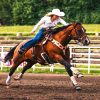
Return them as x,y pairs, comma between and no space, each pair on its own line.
89,56
81,56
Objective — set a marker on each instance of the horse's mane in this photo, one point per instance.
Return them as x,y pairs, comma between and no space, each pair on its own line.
56,30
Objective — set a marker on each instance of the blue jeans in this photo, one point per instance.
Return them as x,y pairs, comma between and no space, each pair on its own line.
34,40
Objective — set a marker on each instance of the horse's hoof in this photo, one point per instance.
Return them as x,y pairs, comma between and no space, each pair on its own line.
16,78
8,81
78,88
7,84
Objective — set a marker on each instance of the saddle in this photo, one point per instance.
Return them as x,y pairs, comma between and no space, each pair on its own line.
47,36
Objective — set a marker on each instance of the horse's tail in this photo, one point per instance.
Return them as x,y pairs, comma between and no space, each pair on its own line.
10,54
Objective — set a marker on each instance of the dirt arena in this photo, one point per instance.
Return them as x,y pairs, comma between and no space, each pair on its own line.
49,87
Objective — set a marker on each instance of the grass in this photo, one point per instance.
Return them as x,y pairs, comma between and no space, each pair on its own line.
56,71
15,29
92,27
26,29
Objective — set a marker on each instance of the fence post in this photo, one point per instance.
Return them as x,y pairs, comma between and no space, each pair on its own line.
33,67
51,67
89,60
2,56
97,34
71,54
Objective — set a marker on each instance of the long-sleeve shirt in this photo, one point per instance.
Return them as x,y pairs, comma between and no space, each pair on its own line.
46,22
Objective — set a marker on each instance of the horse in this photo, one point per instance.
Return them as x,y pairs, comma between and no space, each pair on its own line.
53,50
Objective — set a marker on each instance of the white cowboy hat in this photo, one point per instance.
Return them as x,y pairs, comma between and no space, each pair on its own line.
56,12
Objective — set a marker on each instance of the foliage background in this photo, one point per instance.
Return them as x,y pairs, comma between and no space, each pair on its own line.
28,12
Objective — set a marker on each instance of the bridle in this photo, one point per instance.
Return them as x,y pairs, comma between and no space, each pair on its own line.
79,36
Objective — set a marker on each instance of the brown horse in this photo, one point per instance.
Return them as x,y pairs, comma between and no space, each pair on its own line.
53,50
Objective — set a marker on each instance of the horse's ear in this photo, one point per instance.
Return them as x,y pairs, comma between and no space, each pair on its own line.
74,24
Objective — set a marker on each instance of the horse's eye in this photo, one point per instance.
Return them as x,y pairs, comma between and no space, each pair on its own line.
79,32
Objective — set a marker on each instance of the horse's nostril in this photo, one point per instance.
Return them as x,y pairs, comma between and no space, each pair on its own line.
86,42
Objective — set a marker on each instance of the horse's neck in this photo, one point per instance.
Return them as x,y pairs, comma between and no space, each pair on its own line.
63,37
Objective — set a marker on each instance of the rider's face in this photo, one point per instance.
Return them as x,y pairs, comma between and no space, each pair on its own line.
54,17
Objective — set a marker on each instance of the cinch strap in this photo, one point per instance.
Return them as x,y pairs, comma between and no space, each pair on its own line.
58,44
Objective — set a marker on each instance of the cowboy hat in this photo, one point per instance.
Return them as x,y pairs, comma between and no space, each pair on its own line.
56,12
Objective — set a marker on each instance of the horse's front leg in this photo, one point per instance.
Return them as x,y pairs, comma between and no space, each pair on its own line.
74,69
68,69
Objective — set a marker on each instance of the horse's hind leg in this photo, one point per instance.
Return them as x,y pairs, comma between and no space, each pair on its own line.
26,67
12,70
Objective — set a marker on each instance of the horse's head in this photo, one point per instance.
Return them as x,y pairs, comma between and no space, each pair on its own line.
78,33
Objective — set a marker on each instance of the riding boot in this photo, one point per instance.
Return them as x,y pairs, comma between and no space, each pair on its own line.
22,51
31,42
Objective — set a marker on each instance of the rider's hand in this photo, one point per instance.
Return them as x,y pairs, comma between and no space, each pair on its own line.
31,33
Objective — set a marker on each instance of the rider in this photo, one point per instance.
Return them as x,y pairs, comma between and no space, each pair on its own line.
50,20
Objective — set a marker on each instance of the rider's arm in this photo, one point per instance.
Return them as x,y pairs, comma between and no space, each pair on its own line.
38,24
63,22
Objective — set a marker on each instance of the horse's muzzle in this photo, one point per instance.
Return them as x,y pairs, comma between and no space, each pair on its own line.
86,41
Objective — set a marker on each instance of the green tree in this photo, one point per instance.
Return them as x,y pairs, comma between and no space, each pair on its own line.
6,12
30,11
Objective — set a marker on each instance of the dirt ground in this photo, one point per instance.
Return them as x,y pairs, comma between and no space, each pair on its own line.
49,87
